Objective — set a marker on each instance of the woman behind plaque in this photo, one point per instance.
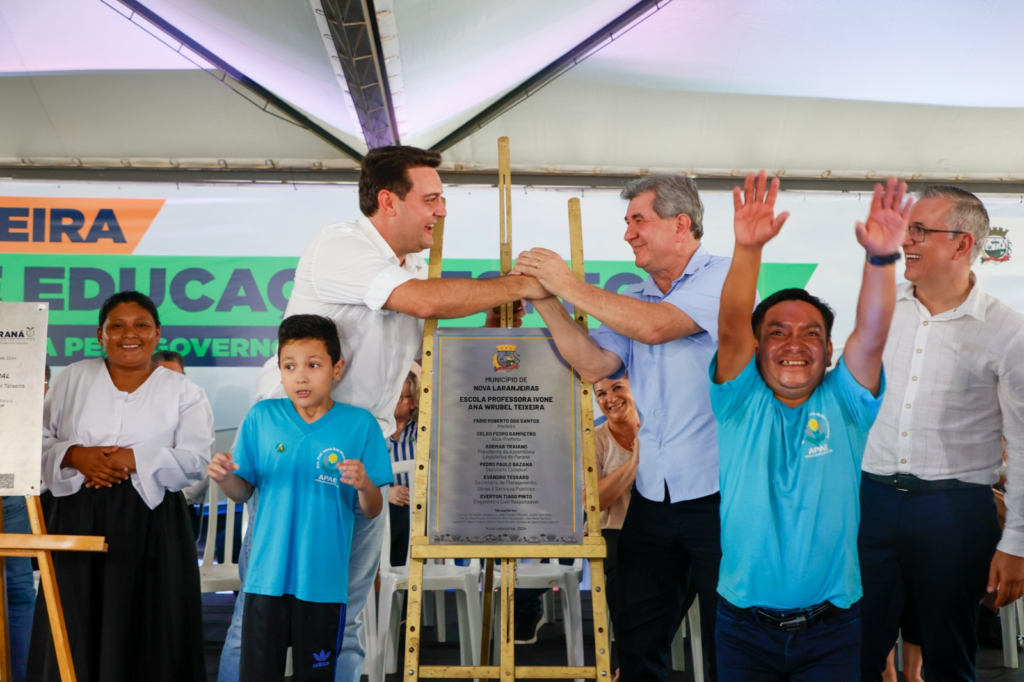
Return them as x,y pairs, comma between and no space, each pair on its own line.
617,458
403,448
121,437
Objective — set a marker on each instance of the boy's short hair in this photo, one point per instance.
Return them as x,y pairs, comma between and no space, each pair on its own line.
826,311
301,327
388,168
169,356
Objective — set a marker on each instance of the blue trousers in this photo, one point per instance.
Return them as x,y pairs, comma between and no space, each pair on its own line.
751,649
367,539
21,589
933,548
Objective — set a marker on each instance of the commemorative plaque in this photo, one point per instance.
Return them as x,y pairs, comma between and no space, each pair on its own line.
22,366
506,455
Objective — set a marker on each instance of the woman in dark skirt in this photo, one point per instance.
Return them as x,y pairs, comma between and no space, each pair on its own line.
122,436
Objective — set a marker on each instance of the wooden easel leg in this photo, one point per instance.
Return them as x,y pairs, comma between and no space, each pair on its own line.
508,621
600,606
413,622
48,581
5,629
485,645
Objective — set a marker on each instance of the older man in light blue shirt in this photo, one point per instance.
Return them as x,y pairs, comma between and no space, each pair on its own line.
664,332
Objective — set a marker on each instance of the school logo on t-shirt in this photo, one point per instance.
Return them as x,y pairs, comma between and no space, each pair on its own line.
816,434
327,466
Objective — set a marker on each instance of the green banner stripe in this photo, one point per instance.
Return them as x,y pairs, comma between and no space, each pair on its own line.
246,291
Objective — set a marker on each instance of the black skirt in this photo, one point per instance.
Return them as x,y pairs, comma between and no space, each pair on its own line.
135,612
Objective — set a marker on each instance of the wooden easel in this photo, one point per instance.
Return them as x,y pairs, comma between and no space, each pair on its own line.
593,547
40,546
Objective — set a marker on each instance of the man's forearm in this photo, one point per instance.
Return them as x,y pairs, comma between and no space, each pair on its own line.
574,344
641,321
458,297
735,337
739,292
875,306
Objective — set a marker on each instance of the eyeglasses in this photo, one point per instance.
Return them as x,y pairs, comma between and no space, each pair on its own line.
917,233
405,396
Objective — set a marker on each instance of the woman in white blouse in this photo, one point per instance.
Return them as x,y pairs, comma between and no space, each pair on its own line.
121,437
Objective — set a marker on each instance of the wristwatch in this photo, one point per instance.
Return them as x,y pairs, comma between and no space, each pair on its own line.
884,260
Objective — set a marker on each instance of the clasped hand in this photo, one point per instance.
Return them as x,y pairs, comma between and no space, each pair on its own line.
102,466
548,268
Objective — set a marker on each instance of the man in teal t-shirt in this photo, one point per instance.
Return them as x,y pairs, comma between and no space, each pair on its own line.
313,461
791,439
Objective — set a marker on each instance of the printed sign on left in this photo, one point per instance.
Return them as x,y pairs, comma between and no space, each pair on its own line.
22,367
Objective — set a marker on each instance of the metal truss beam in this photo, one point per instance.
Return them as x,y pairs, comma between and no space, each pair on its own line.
294,114
357,41
451,178
604,36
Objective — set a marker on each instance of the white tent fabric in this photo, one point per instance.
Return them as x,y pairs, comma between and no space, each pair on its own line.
713,87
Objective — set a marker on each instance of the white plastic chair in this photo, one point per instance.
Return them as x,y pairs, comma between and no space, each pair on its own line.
465,580
691,621
222,577
537,575
1011,618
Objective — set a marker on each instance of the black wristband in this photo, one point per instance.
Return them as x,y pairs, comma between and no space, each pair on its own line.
884,260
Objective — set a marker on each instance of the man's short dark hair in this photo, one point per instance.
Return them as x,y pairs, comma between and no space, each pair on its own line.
826,311
169,356
128,297
388,168
302,327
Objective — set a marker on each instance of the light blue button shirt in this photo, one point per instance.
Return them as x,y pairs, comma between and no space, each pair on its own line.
669,381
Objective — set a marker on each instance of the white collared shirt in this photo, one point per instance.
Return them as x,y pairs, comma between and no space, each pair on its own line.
167,421
955,390
346,274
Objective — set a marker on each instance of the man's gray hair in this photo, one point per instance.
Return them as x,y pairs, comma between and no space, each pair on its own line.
967,213
673,194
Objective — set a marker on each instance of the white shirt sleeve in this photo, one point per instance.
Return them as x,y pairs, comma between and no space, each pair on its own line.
183,461
346,268
1011,403
58,481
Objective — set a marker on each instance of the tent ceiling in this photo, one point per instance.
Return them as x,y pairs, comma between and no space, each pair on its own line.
808,87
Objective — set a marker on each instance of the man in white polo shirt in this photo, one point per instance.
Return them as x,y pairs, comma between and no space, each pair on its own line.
369,277
928,531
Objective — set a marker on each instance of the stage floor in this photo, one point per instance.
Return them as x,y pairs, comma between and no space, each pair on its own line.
549,649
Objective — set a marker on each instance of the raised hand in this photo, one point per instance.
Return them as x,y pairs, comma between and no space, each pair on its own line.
755,221
222,467
354,473
886,226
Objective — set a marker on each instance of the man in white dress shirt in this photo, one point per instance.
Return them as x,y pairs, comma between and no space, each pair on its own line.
928,532
369,277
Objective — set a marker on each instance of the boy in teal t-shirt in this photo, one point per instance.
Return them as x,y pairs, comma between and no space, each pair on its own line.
791,439
313,460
